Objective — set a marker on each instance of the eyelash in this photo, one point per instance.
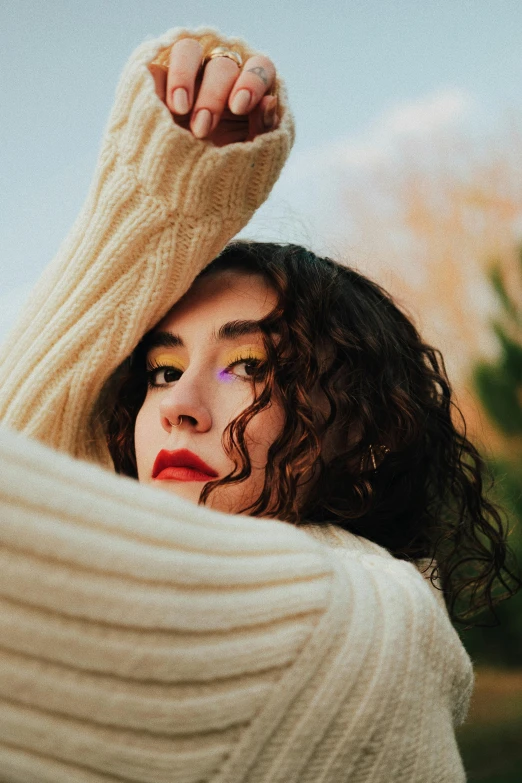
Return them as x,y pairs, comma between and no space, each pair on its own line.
153,369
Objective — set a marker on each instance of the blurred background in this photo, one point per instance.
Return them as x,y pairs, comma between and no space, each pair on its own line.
407,166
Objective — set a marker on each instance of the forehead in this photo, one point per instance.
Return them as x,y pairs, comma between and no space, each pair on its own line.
219,297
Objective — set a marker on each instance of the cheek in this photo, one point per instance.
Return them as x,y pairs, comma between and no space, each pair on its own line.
265,427
225,377
143,432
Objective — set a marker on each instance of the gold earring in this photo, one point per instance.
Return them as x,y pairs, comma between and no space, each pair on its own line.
374,453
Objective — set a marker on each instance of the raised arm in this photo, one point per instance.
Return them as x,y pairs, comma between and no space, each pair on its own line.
161,206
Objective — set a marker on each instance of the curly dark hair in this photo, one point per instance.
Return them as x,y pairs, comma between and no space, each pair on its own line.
405,475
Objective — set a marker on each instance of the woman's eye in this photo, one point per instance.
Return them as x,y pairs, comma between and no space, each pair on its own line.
162,376
250,367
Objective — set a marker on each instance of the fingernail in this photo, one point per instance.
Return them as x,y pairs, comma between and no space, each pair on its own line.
201,123
180,101
241,102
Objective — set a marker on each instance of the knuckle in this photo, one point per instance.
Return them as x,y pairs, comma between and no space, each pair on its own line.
180,76
265,62
259,72
186,45
214,106
213,99
222,65
216,85
185,56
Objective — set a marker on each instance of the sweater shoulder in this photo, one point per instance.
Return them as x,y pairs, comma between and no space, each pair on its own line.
378,561
413,617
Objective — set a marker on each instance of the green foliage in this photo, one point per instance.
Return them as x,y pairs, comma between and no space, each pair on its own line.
499,384
497,281
499,397
499,387
492,753
502,645
489,740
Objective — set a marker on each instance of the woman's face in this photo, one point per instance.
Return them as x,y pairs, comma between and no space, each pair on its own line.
199,359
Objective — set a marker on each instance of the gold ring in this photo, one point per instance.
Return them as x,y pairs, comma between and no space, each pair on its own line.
222,51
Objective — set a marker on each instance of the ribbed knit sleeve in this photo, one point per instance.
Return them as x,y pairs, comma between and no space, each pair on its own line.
144,639
161,206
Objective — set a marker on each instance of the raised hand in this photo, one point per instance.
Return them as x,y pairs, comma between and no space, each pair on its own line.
220,101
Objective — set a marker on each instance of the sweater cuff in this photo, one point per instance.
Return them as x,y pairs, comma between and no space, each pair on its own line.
190,175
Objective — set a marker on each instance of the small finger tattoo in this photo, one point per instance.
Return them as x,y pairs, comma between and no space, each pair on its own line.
259,71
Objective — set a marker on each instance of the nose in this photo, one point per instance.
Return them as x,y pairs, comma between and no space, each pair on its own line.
185,399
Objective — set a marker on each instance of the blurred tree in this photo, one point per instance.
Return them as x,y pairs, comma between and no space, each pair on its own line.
424,221
499,387
499,384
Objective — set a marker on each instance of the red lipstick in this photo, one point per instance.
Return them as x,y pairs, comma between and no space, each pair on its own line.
181,465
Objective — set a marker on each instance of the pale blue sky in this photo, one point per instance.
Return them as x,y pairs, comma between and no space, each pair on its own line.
356,72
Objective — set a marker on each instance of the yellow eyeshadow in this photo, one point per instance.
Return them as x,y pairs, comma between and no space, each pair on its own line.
234,355
244,352
167,360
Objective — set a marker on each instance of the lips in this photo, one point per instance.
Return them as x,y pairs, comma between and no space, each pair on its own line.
182,465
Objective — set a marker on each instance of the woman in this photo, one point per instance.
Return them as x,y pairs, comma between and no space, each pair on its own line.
144,636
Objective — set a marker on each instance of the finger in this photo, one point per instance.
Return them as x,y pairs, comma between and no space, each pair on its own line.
219,77
268,107
263,117
185,62
256,78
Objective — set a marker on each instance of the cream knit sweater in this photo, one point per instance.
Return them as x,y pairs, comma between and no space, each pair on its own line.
143,638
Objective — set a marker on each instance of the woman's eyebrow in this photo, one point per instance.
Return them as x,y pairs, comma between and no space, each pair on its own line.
234,329
161,340
228,331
